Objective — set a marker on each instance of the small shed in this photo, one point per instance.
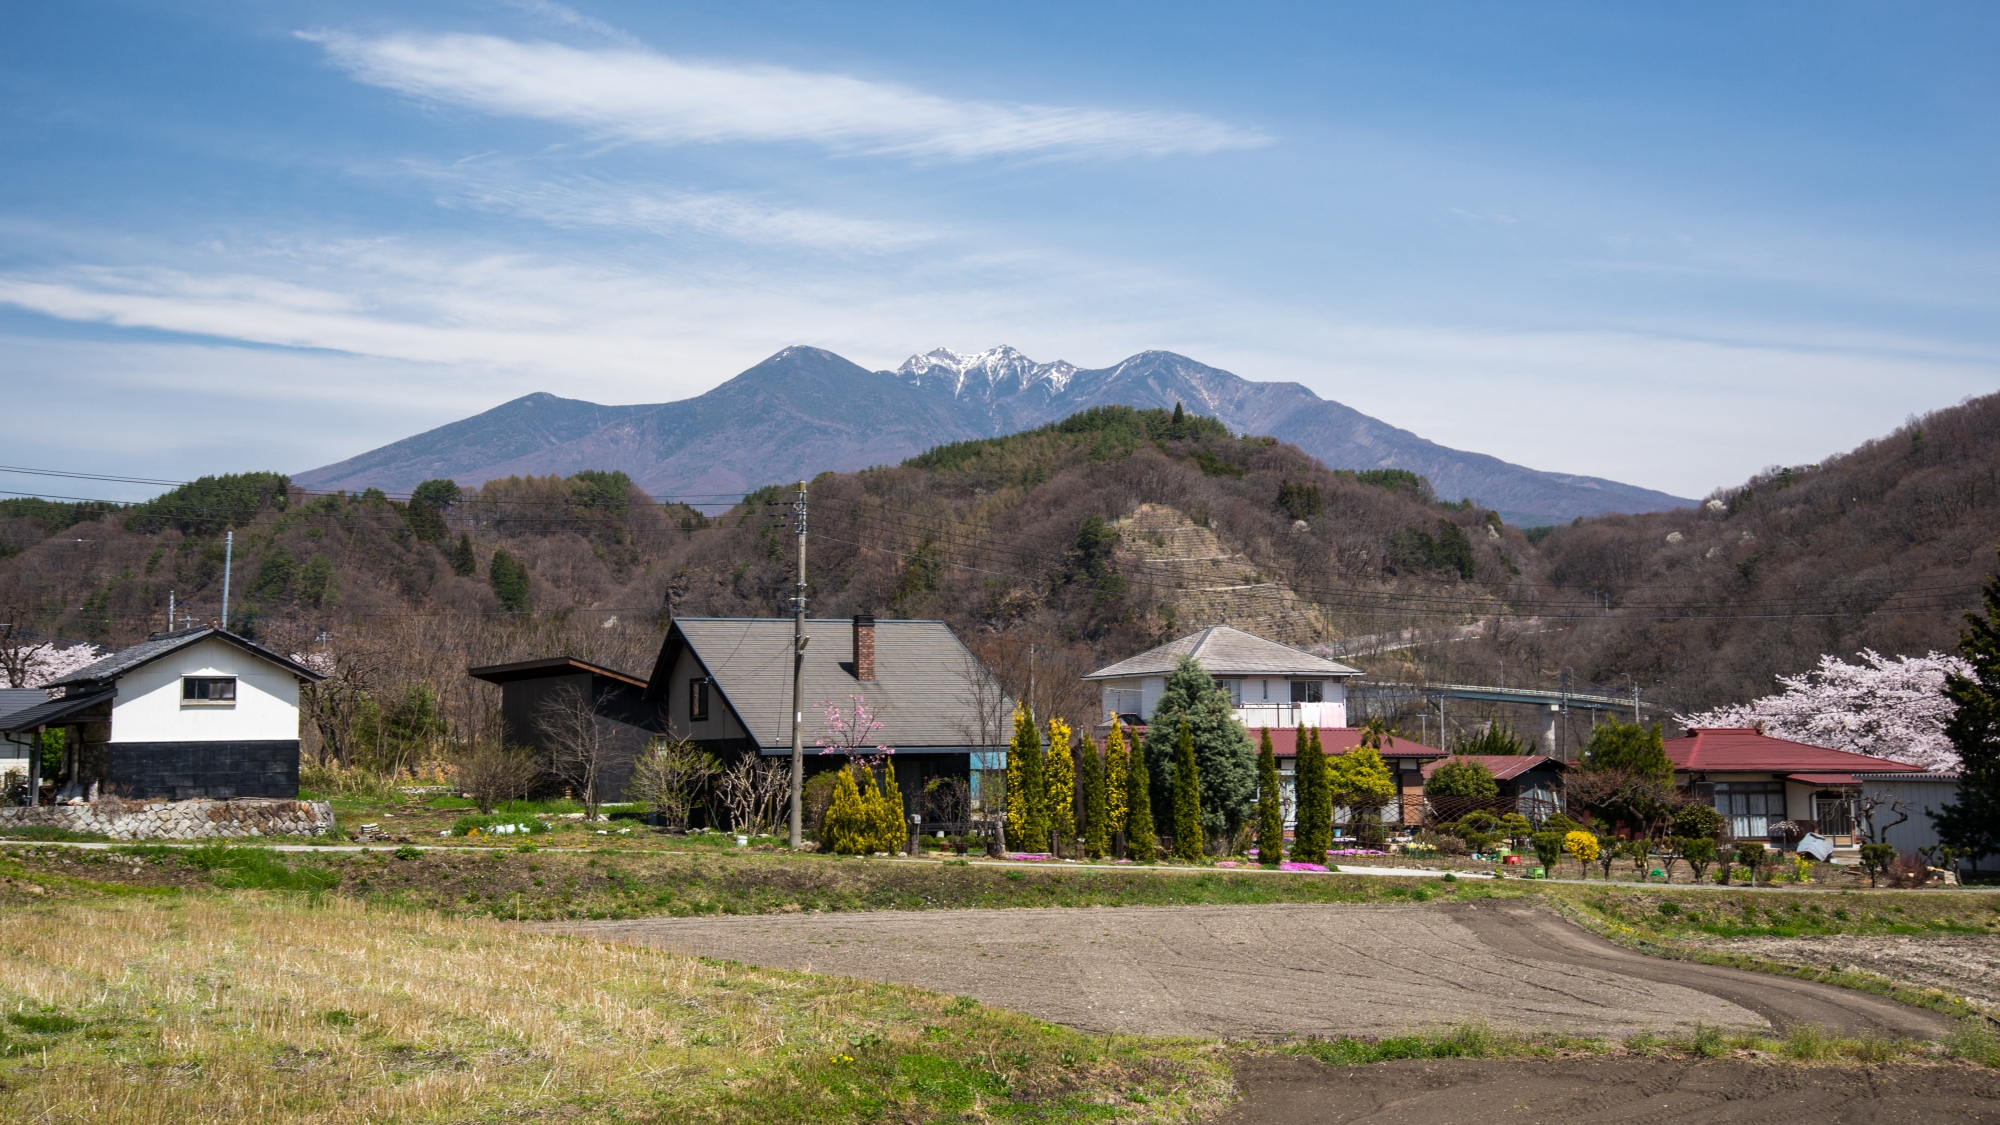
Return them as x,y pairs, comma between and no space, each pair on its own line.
1530,784
1914,794
198,712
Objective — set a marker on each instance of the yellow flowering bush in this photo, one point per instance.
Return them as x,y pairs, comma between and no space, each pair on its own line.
1583,846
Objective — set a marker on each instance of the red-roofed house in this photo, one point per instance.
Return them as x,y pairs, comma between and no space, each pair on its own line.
1756,781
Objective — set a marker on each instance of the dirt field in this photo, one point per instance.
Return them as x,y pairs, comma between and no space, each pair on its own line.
1292,1091
1962,966
1269,971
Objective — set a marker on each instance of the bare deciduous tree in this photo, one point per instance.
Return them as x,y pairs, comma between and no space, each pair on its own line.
573,736
491,772
755,792
669,778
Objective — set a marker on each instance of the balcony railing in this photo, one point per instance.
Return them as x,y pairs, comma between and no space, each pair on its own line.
1254,715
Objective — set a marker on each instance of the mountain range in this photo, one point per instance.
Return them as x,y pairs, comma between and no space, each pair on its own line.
806,410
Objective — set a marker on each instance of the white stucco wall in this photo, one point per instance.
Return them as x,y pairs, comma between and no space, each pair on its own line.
148,707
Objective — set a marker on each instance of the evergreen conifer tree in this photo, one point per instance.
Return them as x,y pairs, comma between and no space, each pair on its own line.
464,563
1314,812
1059,767
509,577
1270,811
1139,830
1970,827
1187,801
1027,811
1117,767
891,820
1223,751
1096,809
846,829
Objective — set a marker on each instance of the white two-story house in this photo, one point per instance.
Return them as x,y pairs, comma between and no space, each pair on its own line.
192,713
1272,685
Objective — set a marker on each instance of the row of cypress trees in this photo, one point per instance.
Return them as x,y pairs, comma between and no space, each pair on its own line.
1042,791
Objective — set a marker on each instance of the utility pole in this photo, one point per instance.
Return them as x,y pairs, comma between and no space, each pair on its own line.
799,675
228,552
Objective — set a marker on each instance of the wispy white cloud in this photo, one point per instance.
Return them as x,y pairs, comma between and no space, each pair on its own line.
588,202
644,96
562,15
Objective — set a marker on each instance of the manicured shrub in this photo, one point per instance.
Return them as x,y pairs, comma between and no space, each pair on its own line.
1559,823
1548,849
1877,858
1186,790
1699,851
1583,846
888,816
1752,855
846,828
1461,777
1697,820
1270,808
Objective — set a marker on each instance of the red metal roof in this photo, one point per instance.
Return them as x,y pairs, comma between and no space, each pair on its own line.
1744,750
1502,766
1339,740
1822,778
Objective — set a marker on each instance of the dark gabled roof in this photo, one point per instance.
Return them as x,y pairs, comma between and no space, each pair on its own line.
161,644
52,711
552,666
20,699
919,695
1224,650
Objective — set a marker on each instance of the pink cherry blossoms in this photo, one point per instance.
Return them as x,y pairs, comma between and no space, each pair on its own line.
1889,707
849,732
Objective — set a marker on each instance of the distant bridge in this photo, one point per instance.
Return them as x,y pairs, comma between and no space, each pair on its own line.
1554,703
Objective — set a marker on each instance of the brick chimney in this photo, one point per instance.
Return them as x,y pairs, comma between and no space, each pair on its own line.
864,647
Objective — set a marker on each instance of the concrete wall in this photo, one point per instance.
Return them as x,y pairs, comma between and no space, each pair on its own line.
149,707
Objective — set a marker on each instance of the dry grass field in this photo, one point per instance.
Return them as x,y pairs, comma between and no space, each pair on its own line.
251,1006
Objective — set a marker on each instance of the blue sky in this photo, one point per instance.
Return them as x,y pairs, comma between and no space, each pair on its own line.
1667,244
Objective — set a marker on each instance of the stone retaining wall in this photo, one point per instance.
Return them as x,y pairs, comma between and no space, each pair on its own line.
180,820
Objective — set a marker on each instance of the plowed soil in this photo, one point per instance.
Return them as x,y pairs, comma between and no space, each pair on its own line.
1274,971
1967,966
1293,1091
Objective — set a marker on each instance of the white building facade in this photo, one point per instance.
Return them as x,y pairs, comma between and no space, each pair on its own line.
1271,685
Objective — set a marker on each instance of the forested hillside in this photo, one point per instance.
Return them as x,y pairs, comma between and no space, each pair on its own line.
1020,543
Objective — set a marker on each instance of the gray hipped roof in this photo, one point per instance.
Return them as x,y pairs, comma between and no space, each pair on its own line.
920,693
161,644
1224,650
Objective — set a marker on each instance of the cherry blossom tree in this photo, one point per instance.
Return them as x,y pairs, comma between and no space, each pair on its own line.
37,665
1888,707
848,731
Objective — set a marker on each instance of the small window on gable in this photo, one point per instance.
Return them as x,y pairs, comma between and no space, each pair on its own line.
697,699
1307,691
208,689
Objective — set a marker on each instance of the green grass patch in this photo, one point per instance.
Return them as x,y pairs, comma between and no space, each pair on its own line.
50,833
259,869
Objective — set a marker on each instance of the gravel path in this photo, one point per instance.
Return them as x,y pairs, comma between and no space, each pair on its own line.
1266,971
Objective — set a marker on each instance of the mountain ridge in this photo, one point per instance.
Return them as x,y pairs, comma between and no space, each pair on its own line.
805,410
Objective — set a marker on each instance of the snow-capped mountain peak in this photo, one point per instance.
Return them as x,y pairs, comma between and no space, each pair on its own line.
1000,370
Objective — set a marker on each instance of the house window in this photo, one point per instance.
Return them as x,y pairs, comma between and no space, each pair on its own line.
698,699
208,689
1307,691
1235,688
1750,808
